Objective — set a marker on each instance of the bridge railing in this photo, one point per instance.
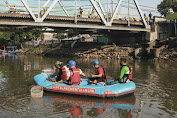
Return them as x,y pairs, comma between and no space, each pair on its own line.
20,9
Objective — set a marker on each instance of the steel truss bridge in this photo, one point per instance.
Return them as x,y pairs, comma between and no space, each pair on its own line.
53,13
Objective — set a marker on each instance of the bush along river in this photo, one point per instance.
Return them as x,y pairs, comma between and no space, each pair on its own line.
155,95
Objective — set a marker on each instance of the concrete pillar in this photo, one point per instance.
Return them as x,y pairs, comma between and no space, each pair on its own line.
151,36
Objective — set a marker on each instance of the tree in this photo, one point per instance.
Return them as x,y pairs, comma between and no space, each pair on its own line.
4,37
165,5
17,35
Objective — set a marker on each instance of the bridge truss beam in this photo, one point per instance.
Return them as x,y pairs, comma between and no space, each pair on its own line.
96,4
93,2
41,19
50,8
29,10
6,2
140,13
138,8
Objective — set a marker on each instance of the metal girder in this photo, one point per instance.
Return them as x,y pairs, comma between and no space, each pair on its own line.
115,11
140,12
75,18
7,3
90,11
29,10
99,12
63,7
69,25
50,8
138,8
101,7
46,13
39,9
96,4
46,3
61,4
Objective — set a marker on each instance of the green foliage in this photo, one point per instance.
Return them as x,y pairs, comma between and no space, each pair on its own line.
171,16
165,5
59,36
2,42
4,36
115,46
18,35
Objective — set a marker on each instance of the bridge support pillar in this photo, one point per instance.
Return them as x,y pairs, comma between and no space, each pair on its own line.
151,36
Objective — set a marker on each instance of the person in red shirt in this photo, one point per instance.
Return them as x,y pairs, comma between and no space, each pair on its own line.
100,74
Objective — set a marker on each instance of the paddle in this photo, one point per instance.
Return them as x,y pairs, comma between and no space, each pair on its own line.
51,84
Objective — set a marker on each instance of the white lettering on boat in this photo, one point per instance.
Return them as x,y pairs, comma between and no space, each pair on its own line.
108,92
73,89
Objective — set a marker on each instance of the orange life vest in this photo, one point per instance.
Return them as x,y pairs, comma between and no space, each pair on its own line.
131,72
102,72
75,76
64,75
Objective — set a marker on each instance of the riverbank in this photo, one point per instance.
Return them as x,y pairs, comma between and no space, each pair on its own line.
82,50
161,50
165,49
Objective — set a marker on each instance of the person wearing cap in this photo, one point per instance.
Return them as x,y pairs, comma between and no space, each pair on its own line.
74,78
60,72
100,74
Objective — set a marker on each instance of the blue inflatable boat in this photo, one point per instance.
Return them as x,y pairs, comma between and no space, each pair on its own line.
85,89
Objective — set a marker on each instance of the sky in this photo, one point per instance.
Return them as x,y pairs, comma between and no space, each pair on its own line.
147,6
150,3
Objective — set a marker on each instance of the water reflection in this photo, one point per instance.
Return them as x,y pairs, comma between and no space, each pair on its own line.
156,87
2,81
93,107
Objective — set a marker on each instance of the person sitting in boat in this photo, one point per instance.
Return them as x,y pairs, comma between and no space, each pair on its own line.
60,72
75,74
124,73
65,72
100,74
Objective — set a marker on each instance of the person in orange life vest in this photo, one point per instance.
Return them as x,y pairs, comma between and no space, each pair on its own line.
65,72
11,10
75,74
99,76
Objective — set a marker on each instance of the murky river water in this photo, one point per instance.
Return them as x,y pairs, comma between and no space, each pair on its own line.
156,94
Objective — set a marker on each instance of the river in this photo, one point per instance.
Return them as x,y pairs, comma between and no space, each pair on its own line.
155,97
